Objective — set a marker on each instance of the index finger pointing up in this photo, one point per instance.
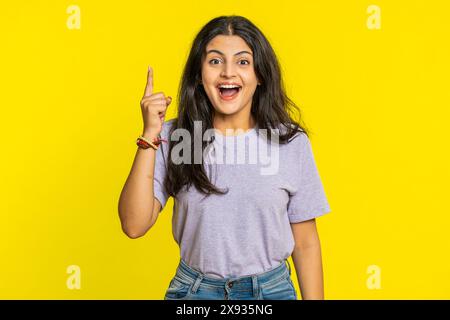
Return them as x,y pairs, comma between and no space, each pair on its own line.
149,86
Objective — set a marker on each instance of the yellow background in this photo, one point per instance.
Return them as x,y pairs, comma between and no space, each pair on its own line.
377,102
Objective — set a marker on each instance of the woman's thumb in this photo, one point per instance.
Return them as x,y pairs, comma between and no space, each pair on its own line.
168,100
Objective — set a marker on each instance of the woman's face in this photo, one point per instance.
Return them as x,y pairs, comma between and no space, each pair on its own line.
229,61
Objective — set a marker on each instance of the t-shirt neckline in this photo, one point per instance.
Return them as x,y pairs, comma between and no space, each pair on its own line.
235,136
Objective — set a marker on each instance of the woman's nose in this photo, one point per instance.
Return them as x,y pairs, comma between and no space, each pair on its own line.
228,70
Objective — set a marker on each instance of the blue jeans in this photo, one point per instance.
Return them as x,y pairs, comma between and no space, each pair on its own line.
190,284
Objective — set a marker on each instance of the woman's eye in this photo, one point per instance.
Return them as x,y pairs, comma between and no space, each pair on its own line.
211,61
216,61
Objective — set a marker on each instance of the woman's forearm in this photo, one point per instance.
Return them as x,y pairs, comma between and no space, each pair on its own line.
137,196
308,267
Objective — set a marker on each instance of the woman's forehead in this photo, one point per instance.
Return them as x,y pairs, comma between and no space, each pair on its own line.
228,44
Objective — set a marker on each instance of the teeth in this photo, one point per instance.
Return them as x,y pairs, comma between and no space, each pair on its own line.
228,86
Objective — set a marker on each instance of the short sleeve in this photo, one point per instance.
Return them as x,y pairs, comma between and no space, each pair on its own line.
308,200
160,172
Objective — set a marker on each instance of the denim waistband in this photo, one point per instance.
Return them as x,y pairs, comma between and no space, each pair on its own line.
185,271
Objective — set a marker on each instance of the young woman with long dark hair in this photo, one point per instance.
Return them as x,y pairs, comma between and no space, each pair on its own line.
236,223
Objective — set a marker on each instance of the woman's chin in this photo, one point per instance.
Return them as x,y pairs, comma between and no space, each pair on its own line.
227,109
227,106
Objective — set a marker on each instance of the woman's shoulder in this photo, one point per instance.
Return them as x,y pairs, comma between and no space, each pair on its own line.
298,135
167,128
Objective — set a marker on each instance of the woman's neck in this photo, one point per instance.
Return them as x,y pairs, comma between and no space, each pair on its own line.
223,124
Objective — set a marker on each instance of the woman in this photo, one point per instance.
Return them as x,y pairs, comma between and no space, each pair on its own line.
235,223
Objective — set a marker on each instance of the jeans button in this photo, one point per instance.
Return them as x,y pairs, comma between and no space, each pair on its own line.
230,284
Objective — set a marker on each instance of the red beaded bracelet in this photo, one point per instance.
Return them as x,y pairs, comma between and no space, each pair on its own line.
145,144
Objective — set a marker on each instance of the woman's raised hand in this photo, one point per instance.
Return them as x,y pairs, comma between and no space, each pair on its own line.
153,106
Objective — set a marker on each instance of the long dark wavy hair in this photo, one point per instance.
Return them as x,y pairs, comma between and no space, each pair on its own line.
270,104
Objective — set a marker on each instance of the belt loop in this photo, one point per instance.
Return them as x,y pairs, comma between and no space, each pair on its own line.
197,283
289,266
255,287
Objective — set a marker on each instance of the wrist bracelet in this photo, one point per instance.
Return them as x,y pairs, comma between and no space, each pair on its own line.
145,144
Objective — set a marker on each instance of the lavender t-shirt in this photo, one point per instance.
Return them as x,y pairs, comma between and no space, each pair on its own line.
246,231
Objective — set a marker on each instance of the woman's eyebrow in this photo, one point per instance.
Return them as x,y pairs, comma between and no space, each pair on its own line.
221,53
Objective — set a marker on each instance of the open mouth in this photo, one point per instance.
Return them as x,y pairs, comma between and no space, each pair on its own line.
229,93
